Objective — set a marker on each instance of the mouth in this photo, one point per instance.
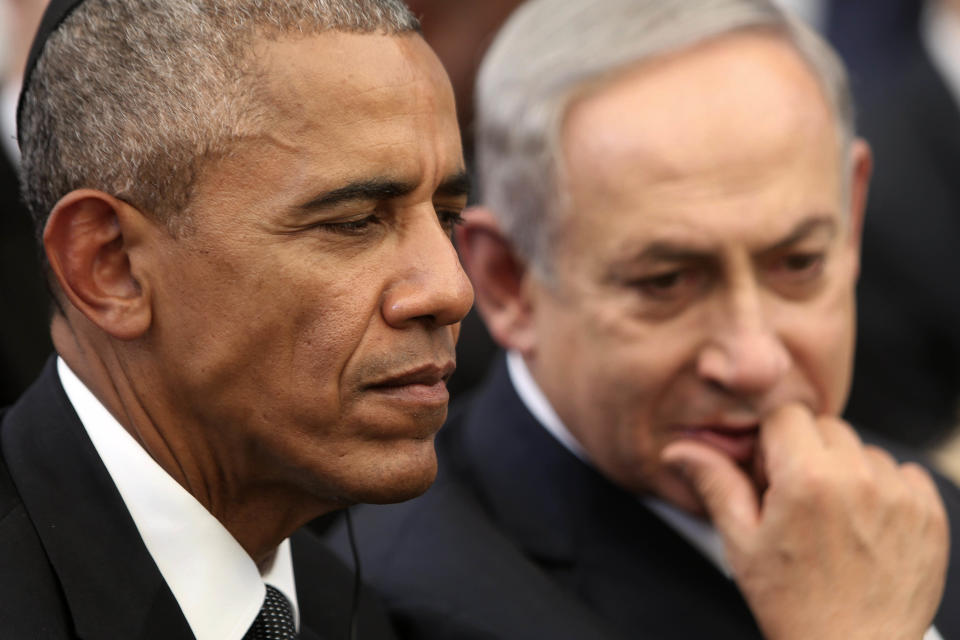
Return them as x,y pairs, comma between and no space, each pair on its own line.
738,442
425,384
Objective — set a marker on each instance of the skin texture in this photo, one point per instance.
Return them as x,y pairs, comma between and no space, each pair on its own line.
697,331
250,356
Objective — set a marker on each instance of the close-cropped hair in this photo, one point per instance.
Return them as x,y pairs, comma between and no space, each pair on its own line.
130,97
551,51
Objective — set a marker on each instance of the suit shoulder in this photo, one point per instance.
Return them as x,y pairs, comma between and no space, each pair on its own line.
444,570
31,601
32,604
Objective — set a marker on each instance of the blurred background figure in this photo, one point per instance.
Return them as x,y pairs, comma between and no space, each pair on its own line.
24,302
907,380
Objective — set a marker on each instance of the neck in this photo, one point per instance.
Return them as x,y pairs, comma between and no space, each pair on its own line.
215,469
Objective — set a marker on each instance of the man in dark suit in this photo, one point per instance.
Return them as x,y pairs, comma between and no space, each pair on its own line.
246,211
668,250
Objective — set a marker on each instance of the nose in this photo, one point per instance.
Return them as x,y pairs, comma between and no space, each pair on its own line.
744,354
430,285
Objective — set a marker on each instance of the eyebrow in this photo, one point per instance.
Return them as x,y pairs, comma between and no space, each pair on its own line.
672,252
373,189
456,185
805,229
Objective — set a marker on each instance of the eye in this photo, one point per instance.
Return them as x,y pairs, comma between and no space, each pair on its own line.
449,218
351,227
800,266
797,274
670,285
803,261
662,283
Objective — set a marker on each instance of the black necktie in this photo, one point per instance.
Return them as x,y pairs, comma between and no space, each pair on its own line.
275,620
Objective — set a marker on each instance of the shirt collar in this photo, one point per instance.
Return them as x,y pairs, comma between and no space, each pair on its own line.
217,585
538,405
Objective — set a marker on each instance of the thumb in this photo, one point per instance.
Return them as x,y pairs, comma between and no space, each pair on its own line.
726,492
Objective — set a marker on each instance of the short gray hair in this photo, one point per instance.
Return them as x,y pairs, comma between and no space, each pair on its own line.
130,96
550,50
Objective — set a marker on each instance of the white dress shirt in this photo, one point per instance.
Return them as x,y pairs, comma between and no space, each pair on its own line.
217,585
698,532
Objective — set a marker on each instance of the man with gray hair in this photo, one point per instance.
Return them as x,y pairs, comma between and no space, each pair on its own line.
673,198
245,209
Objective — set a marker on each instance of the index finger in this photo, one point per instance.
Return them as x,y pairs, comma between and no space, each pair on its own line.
789,435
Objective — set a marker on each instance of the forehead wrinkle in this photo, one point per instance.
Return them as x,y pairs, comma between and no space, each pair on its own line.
670,170
398,82
351,75
690,241
735,185
697,243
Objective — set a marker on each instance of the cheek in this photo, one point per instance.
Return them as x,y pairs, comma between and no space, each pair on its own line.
821,343
618,376
324,331
643,362
271,329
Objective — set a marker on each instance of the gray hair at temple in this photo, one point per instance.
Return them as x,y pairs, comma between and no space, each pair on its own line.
130,97
550,51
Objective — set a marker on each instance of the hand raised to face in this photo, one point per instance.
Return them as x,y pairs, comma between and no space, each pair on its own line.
842,543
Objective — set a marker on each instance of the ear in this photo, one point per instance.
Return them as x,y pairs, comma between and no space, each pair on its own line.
88,238
861,167
499,279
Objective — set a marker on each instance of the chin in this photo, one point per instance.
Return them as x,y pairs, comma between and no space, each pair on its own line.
407,490
396,475
678,493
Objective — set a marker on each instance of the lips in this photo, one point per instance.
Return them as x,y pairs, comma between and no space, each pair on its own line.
425,384
739,443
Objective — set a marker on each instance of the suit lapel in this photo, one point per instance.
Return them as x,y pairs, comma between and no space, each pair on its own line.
511,461
307,634
111,584
591,537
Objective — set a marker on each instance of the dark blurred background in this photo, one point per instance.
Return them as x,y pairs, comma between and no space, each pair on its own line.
24,333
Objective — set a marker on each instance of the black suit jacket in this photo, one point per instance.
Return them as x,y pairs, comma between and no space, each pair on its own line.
519,539
907,373
72,564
